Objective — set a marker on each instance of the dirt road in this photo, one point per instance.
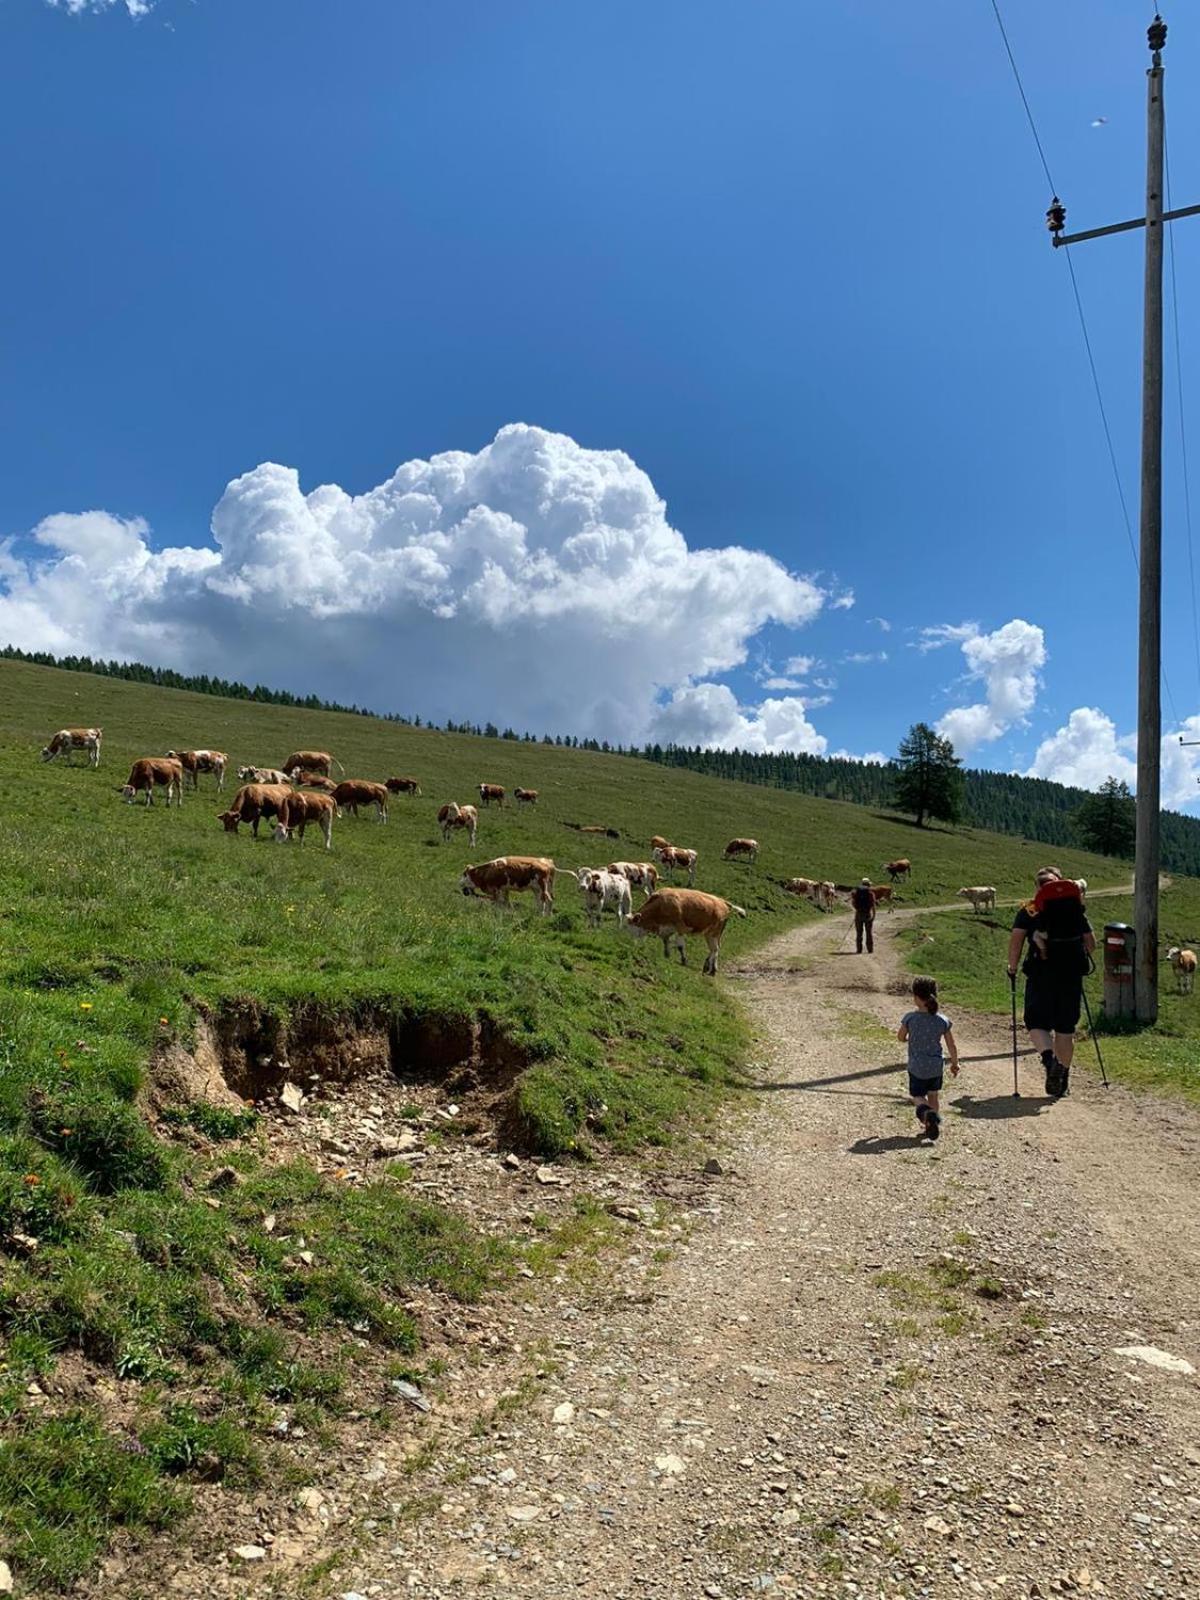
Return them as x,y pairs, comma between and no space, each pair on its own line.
870,1366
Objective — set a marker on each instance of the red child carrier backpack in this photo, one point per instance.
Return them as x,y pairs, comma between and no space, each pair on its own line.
1059,913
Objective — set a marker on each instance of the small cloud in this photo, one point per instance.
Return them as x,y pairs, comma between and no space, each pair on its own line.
824,683
873,758
135,8
799,666
862,658
944,633
1099,122
781,683
843,601
881,623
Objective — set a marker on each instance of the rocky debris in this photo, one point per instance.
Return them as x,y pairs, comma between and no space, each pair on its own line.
1151,1356
550,1177
564,1413
6,1578
409,1391
225,1178
249,1552
292,1097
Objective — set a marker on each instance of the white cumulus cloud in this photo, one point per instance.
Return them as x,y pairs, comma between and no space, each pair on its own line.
535,582
1087,749
1007,663
135,8
709,714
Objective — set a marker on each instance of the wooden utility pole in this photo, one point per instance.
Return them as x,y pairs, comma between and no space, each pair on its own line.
1146,845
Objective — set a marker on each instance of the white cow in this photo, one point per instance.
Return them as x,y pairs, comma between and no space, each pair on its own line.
601,890
1184,963
981,899
641,874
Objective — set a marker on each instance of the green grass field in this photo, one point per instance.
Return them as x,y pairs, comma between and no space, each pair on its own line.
119,925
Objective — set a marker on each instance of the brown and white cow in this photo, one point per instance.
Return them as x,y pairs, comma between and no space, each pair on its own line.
194,762
452,816
659,843
1184,964
676,914
982,899
67,740
898,869
402,786
268,775
526,797
150,772
496,880
298,810
673,859
312,761
252,802
492,791
801,886
313,780
640,874
741,847
354,792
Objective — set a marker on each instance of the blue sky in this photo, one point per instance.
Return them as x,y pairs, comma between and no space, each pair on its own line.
789,258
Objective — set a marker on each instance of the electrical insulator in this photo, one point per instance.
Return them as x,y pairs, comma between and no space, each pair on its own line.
1156,33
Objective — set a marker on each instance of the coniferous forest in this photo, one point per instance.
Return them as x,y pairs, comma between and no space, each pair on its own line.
1001,802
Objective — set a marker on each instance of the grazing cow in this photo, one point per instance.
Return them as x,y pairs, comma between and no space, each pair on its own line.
883,896
741,847
596,827
312,761
150,771
676,913
898,869
1082,882
640,874
825,896
194,762
659,843
981,899
674,859
526,797
298,810
492,791
801,886
496,880
455,816
252,802
601,890
403,786
268,775
354,792
313,780
1184,963
67,740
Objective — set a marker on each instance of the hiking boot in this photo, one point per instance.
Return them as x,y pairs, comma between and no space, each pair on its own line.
1051,1066
1062,1083
933,1125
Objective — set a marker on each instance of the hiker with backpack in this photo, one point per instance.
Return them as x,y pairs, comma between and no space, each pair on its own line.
1058,959
863,901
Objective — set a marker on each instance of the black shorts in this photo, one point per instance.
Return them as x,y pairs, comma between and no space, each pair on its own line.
920,1087
1053,1007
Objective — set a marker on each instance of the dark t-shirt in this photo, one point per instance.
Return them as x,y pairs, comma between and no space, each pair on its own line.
1026,920
864,902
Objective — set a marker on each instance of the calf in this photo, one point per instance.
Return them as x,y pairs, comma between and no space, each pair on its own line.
354,792
312,761
982,899
67,740
674,914
452,816
152,771
640,874
741,847
298,810
898,869
252,802
601,890
268,775
403,786
496,880
194,762
1184,963
492,791
526,797
674,859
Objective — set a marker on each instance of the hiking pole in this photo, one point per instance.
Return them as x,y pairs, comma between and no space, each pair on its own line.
1012,984
1095,1036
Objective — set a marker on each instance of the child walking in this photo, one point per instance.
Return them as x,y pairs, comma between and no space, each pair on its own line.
924,1031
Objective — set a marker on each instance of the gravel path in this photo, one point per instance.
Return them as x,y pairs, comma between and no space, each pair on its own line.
870,1367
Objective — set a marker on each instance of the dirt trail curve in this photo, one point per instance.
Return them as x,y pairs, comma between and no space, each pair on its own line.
871,1367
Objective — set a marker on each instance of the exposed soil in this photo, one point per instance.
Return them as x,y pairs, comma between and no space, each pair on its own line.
849,1363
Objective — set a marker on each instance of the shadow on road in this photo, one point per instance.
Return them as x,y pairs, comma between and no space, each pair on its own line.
880,1145
1000,1108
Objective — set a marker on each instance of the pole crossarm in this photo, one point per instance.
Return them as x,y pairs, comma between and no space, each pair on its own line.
1121,227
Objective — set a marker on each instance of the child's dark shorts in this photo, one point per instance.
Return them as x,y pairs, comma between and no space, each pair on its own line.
924,1086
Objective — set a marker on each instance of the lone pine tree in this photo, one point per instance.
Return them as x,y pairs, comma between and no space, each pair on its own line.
928,781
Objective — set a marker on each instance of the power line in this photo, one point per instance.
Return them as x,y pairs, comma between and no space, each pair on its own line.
1183,449
1087,342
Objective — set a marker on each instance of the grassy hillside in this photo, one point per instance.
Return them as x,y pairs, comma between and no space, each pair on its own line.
124,931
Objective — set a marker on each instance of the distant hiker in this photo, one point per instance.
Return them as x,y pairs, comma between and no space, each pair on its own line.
1059,957
863,902
924,1031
